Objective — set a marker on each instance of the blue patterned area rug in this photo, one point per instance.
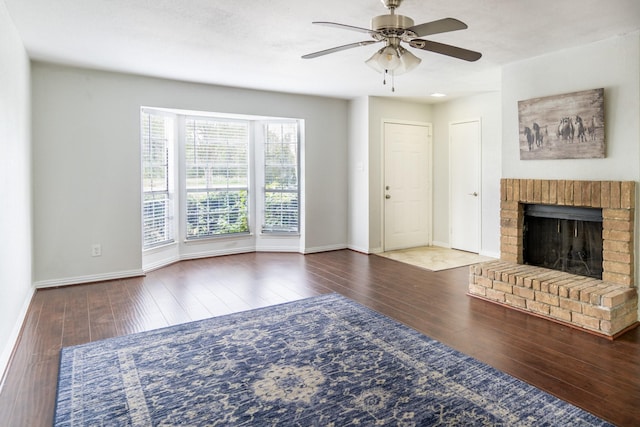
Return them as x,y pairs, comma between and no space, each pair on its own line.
322,361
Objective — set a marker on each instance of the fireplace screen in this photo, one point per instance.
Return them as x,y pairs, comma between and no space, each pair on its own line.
564,238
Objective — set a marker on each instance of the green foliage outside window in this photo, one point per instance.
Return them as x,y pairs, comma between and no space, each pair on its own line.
217,213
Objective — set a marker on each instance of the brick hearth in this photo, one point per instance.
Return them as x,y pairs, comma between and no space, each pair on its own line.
606,307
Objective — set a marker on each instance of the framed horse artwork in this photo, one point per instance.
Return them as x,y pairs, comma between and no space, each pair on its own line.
567,126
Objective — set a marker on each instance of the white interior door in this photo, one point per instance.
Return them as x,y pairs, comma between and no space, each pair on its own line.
464,179
407,185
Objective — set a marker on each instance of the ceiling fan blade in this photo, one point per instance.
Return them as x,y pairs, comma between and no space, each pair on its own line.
338,49
440,26
445,49
346,27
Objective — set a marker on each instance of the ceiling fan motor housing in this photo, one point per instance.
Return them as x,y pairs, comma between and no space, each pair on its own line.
392,25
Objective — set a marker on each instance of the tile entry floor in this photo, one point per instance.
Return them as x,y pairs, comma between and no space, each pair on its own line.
435,258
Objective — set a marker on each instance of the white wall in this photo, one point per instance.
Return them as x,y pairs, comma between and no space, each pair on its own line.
15,186
612,64
87,165
358,170
487,108
384,109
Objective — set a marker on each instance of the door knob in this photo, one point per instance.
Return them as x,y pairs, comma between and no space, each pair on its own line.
474,194
387,196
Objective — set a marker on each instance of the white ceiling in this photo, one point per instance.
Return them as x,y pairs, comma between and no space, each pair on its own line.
258,43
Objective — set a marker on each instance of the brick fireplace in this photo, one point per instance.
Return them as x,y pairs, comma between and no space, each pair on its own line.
606,307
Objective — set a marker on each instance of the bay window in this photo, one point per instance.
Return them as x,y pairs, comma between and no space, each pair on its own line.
207,176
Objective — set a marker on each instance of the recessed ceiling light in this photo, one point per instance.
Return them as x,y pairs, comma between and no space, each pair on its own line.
438,95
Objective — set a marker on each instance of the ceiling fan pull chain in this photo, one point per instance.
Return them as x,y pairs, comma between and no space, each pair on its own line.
393,82
384,77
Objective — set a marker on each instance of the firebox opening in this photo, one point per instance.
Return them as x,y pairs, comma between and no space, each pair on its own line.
563,238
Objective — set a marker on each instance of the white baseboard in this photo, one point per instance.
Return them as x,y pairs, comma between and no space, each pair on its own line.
325,248
358,249
442,244
483,253
7,351
87,279
159,264
490,254
221,252
234,251
288,250
167,261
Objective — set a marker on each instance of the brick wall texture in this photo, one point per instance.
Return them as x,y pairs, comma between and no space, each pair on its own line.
616,198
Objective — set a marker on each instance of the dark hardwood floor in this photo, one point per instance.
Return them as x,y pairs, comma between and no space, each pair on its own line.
598,375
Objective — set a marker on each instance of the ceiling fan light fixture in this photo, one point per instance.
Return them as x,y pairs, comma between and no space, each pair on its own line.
408,61
386,59
393,59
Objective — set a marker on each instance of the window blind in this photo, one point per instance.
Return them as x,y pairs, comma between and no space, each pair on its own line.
281,180
217,177
157,208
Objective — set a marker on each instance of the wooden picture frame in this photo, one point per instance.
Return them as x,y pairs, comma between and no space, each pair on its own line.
566,126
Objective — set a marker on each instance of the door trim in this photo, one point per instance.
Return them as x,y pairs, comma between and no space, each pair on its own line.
478,178
429,196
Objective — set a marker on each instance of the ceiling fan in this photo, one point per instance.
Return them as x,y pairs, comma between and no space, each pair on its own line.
392,30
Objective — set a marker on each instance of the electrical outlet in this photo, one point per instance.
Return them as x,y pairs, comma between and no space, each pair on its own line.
96,250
